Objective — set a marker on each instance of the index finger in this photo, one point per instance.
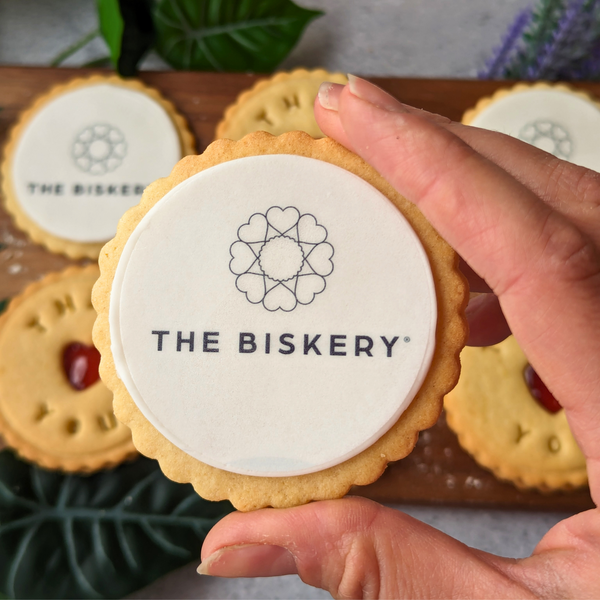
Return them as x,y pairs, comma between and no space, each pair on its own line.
569,189
545,271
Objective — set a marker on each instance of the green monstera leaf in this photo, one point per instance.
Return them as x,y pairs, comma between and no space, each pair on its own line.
228,35
99,536
111,26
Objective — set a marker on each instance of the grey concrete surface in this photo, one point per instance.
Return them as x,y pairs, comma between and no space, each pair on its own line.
424,38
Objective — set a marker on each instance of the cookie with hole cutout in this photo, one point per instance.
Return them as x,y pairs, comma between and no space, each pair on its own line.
276,322
505,417
54,409
277,105
82,154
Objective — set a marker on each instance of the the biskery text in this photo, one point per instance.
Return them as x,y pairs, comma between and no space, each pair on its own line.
286,343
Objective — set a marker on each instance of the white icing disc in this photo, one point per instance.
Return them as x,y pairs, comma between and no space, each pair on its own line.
86,156
555,120
273,315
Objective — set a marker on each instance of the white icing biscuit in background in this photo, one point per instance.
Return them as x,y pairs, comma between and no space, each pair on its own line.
555,118
276,322
83,154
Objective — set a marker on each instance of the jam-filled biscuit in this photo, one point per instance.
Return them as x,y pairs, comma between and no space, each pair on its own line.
277,105
509,422
54,409
276,322
82,154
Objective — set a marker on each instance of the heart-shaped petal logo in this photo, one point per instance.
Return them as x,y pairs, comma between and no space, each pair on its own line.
252,285
308,287
281,258
282,219
255,230
242,257
320,259
309,231
280,297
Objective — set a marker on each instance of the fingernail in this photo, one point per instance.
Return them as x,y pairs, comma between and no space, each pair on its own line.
365,90
249,560
329,95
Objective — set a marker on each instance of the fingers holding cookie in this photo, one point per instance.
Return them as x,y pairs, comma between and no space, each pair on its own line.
544,269
449,182
355,548
568,188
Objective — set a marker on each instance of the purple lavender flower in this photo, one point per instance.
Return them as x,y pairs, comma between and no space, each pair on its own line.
496,65
571,41
558,39
588,69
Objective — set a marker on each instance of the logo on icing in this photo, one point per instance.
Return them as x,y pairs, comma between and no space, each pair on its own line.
548,136
99,149
281,258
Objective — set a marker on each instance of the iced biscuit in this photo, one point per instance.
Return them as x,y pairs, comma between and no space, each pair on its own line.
276,322
83,154
553,117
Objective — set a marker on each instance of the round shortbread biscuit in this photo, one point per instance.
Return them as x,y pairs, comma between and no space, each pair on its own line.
82,155
276,322
500,423
556,118
277,105
42,416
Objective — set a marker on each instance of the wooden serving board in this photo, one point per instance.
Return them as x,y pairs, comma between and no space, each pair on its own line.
438,471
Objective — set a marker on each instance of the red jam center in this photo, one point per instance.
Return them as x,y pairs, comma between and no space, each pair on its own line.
81,363
539,390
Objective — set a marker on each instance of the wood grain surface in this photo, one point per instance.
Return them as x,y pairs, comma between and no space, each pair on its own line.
438,471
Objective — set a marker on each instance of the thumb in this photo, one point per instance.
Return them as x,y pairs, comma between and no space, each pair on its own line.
354,548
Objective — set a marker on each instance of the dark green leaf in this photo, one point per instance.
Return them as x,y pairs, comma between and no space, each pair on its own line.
3,304
128,30
229,35
138,35
111,26
73,48
100,536
103,62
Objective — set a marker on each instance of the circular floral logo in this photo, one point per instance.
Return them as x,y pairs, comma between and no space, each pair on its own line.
548,136
281,258
99,149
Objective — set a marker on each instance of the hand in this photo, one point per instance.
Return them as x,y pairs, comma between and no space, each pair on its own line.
527,226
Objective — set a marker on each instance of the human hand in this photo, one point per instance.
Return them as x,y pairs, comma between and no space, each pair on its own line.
527,226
